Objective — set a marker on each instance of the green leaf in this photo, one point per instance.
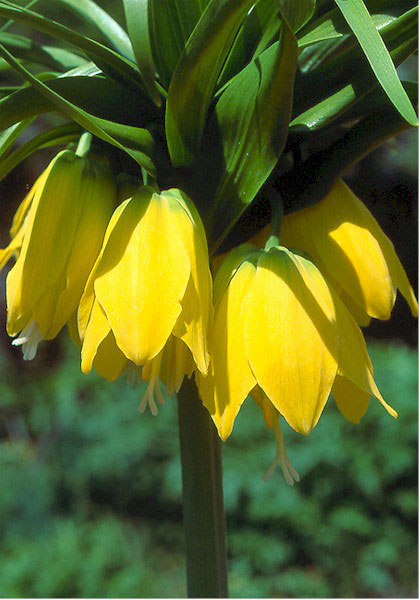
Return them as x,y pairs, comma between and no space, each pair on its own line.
348,78
137,17
332,25
193,83
136,142
260,28
247,133
58,136
125,67
309,181
97,95
10,135
24,48
360,21
171,24
297,12
91,14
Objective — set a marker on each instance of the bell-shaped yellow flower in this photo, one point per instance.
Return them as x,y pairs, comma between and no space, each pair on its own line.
56,235
149,293
350,248
280,326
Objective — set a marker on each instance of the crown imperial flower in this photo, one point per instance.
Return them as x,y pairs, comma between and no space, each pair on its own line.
148,298
279,327
56,234
350,248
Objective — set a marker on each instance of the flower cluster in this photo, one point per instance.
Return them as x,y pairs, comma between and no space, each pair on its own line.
281,325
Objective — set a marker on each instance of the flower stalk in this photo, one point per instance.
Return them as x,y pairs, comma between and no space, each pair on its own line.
203,511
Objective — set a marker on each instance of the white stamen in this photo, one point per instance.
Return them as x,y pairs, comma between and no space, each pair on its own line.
153,387
29,339
289,472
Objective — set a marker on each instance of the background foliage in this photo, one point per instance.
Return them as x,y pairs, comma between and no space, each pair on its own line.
91,493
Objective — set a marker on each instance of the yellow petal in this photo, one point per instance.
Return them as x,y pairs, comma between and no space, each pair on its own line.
88,296
350,399
14,247
49,233
97,330
399,277
347,243
73,331
96,198
354,361
109,361
230,378
176,362
142,276
197,310
290,336
25,205
358,312
227,269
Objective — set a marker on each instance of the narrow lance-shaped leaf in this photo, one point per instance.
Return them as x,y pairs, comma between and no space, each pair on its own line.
171,24
360,21
297,12
25,48
247,130
58,136
137,17
193,83
100,52
310,180
10,135
98,96
357,78
92,14
138,143
259,28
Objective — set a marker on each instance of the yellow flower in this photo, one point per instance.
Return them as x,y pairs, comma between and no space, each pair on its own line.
56,234
149,294
279,327
350,248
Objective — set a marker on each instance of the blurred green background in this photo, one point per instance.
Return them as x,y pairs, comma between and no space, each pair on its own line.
91,493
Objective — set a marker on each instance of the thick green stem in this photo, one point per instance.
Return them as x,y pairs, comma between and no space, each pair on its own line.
204,518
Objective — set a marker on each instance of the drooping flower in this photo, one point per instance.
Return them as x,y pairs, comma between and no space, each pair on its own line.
56,235
281,329
149,294
349,247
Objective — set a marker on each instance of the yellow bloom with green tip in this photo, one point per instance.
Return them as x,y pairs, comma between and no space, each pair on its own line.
350,248
281,328
150,288
56,235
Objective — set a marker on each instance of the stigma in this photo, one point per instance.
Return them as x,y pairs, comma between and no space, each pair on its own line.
29,338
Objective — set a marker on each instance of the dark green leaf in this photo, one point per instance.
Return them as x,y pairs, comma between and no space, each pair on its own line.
137,17
54,137
136,142
92,14
348,78
10,135
98,96
246,135
309,181
125,67
24,48
260,28
360,21
171,24
297,12
193,83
